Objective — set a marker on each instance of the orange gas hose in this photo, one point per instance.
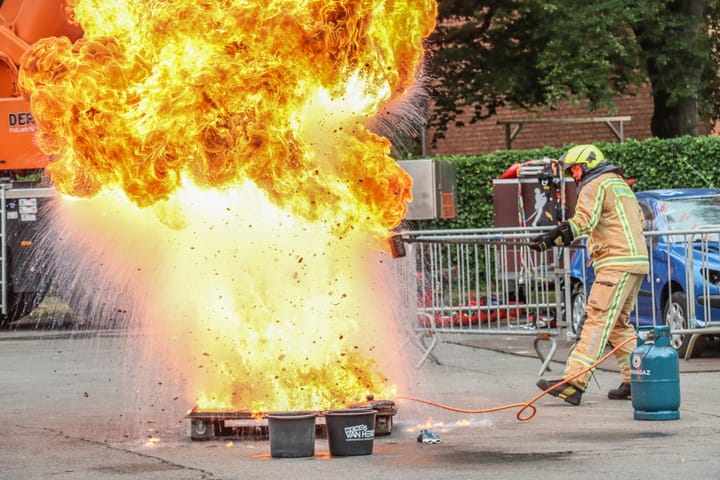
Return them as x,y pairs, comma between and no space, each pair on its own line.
525,406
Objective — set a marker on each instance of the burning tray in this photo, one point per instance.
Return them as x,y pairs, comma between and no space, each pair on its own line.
242,425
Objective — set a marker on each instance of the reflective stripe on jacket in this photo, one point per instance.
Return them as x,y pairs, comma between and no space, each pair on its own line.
608,212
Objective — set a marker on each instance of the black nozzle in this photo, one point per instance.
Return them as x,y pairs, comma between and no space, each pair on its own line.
397,246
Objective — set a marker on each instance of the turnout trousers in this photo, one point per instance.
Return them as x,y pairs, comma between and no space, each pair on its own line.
612,298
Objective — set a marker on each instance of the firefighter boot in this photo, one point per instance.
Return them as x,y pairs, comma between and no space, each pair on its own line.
621,393
568,392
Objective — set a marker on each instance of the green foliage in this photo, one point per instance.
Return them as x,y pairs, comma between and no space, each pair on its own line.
668,163
534,54
654,163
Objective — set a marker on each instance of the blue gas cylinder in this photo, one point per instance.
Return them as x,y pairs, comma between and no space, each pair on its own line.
655,378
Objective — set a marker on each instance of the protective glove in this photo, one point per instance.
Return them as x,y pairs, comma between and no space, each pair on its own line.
559,236
541,242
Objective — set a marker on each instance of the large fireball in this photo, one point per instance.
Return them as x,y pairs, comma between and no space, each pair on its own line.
219,154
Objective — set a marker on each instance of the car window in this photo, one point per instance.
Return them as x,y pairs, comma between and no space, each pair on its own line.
684,214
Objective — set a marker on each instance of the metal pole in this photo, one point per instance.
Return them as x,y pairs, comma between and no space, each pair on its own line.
3,248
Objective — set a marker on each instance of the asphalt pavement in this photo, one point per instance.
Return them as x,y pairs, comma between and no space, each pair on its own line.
77,405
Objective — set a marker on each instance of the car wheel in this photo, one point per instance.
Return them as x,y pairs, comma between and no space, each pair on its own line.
578,303
675,315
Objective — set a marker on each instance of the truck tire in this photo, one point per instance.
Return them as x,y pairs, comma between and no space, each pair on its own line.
20,304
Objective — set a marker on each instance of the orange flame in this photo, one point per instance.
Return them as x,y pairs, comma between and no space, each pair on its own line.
245,126
216,92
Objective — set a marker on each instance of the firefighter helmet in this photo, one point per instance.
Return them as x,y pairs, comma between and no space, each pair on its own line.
587,156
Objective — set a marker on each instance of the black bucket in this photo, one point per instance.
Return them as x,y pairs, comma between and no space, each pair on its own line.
350,431
292,435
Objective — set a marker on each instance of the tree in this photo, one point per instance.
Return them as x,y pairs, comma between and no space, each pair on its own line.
533,54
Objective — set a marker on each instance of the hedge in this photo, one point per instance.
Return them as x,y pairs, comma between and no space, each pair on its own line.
653,163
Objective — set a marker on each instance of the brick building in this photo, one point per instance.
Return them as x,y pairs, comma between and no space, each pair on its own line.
488,136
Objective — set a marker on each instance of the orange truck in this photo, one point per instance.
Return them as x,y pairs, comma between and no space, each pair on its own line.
25,192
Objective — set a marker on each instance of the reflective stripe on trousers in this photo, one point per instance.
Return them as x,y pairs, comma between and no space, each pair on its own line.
612,297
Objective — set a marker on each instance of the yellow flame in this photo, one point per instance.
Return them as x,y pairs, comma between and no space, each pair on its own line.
152,442
243,127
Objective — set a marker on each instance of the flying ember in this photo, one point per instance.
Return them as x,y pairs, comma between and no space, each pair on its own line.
220,155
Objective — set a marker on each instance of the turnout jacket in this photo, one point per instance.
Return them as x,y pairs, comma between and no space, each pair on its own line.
608,212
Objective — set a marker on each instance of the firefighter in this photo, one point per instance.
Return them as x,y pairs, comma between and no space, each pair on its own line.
609,214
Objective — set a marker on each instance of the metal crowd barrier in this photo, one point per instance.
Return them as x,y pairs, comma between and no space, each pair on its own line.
487,282
690,302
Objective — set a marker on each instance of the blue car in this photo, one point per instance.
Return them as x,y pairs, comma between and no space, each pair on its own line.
685,288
